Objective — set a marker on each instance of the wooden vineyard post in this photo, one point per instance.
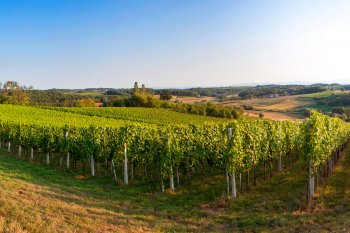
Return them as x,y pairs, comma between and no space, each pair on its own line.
240,183
68,155
279,164
48,158
9,147
114,173
227,178
19,150
126,178
177,177
233,185
311,183
67,160
31,153
92,165
172,186
161,182
171,179
233,176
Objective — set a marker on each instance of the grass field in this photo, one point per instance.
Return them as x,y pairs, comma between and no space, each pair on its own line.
39,199
279,108
324,94
283,103
276,115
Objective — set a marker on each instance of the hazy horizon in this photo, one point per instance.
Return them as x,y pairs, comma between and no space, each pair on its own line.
189,87
173,44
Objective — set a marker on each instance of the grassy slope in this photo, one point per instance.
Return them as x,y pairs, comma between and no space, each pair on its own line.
37,199
321,95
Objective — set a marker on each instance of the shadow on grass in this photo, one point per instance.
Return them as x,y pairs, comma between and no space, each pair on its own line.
198,207
100,193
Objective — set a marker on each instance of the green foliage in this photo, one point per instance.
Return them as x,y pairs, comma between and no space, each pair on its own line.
13,93
165,95
335,100
166,145
136,88
86,103
144,115
148,101
322,136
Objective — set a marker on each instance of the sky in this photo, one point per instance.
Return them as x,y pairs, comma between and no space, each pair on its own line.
173,43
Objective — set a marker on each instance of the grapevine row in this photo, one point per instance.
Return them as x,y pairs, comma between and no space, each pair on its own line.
234,148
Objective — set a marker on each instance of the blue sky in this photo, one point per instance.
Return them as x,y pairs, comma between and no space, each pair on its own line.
173,43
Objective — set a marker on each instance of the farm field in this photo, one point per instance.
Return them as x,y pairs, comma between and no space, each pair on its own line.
286,107
276,108
275,115
190,99
39,199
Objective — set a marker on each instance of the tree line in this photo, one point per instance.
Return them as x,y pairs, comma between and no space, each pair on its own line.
11,92
141,97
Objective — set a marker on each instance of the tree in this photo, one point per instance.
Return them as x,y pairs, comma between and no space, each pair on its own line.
13,93
136,88
143,89
338,110
166,95
85,103
261,115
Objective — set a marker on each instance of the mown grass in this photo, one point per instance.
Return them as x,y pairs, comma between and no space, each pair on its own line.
323,94
35,198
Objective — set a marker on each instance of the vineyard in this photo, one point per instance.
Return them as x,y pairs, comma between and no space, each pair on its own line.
169,154
144,115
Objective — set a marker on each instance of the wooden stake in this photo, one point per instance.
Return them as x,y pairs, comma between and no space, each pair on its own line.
126,178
